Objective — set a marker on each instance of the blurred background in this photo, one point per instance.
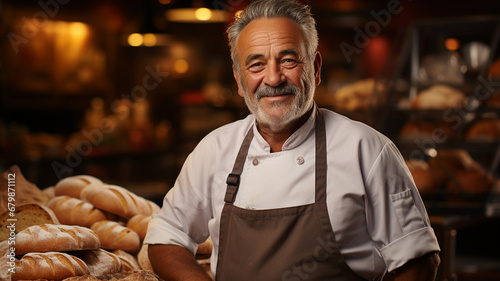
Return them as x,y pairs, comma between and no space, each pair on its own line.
124,90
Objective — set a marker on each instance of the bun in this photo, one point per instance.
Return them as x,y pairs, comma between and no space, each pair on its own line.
26,216
54,238
71,186
50,266
139,223
129,262
118,200
26,192
470,183
99,262
74,211
114,236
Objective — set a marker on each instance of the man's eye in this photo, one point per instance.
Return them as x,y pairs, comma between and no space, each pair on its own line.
256,66
289,62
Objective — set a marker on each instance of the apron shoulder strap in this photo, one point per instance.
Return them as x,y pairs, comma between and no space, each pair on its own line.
233,180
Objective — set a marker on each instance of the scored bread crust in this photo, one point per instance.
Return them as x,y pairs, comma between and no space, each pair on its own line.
54,238
114,236
139,223
99,262
71,186
74,211
129,261
50,266
118,200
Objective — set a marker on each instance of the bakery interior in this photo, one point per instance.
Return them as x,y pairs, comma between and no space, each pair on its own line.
124,90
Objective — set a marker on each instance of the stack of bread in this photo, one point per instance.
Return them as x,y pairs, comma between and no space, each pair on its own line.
84,230
454,174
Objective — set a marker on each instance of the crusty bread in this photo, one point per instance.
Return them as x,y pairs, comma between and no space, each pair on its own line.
114,236
74,211
139,223
484,130
50,266
139,275
26,215
71,186
204,250
25,191
54,238
439,97
129,261
118,200
143,258
427,183
99,262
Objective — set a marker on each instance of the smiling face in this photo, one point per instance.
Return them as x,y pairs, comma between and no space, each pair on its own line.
276,77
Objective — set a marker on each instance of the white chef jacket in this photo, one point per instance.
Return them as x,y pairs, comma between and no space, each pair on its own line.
375,210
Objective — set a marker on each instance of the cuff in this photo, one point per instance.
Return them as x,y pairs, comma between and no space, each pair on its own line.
410,246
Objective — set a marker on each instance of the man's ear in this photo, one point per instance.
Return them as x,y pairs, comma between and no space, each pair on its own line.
317,68
237,78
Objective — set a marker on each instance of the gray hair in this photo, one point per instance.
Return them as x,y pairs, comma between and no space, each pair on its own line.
299,13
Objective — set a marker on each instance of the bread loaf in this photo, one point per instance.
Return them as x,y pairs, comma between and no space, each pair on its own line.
204,250
439,97
143,258
114,236
139,275
26,215
139,223
54,238
71,186
129,261
74,211
25,191
50,266
99,262
118,200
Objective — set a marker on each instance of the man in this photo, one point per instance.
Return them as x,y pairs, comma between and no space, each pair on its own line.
292,192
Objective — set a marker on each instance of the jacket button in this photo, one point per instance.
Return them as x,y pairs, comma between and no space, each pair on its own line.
300,160
255,162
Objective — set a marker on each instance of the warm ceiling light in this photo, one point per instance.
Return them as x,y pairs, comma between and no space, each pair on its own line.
203,14
135,39
149,39
165,2
181,66
452,44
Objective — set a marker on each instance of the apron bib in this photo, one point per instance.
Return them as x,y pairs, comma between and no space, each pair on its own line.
293,243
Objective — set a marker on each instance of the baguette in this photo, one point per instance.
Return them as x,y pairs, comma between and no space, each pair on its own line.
74,211
71,186
117,200
99,262
55,238
114,236
50,266
129,261
26,215
139,223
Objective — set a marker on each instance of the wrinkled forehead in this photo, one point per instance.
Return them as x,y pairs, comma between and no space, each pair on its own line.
276,33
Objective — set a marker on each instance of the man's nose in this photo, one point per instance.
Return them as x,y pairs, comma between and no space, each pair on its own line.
274,75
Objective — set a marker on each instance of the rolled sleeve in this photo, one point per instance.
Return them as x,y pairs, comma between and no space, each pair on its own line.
414,245
398,222
161,232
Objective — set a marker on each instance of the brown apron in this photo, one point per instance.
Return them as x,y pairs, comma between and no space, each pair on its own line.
295,243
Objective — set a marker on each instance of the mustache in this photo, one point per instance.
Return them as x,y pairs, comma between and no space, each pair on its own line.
267,91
